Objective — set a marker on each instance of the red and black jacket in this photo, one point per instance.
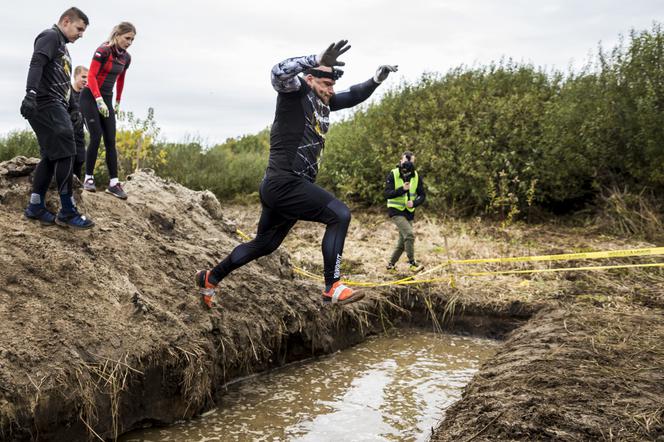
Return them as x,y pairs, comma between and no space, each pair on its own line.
108,65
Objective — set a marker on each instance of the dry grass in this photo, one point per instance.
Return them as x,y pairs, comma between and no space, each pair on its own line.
372,236
627,214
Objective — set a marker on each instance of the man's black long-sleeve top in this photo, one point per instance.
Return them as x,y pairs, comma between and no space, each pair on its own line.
391,192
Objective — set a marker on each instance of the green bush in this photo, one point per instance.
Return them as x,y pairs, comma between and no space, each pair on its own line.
19,142
490,140
501,138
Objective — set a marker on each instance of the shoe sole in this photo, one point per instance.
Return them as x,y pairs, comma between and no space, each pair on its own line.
356,296
117,196
42,223
64,224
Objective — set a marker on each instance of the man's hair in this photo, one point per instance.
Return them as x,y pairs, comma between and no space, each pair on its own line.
73,14
78,69
120,29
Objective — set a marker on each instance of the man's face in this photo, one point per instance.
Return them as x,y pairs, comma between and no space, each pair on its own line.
73,30
81,80
323,87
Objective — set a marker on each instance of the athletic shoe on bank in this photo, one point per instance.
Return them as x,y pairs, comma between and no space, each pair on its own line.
40,214
341,294
73,220
117,191
206,288
89,185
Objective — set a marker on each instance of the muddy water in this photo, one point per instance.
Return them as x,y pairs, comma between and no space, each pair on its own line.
389,388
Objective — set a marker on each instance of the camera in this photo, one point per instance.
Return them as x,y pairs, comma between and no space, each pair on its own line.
406,168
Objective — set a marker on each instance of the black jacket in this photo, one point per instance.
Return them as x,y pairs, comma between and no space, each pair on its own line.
391,192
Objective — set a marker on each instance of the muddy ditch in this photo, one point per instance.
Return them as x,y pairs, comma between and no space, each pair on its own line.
102,330
105,399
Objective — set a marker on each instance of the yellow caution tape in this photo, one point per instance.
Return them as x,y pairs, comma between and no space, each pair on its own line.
410,280
508,272
567,256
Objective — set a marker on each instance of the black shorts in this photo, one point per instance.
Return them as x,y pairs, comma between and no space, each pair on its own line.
294,198
55,133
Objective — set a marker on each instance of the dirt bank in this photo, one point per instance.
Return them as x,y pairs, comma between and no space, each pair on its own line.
102,331
570,374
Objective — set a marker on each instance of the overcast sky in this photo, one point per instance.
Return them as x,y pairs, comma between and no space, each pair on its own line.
204,65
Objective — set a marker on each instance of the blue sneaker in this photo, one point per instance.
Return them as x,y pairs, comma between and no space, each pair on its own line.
40,214
73,220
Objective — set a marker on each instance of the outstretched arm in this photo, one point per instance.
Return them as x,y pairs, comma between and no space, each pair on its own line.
284,74
353,96
360,92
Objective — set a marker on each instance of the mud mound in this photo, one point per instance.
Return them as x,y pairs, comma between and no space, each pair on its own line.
569,375
102,330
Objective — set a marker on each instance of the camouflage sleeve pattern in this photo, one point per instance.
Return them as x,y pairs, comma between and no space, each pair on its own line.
284,74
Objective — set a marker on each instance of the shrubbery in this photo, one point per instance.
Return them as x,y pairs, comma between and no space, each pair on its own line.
493,140
500,138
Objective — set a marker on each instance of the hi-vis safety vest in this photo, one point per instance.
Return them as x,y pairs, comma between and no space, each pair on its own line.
399,202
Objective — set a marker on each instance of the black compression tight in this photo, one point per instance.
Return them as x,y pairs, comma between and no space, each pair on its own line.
62,168
99,127
305,201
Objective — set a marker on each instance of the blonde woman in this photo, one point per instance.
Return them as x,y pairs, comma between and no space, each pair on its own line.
108,68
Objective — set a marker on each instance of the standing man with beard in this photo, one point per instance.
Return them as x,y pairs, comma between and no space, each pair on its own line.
288,191
46,107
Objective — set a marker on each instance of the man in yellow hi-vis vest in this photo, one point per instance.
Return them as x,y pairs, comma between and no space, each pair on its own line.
404,190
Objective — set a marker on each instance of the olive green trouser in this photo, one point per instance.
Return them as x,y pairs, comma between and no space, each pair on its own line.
406,239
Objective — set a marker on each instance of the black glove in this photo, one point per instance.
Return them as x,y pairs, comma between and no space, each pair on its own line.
329,56
383,71
29,105
76,119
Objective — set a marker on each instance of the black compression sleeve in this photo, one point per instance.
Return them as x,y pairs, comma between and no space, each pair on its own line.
355,95
37,64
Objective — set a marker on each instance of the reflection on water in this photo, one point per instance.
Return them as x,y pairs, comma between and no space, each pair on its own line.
392,387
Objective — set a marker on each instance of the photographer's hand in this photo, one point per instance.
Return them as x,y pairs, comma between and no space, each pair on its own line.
409,204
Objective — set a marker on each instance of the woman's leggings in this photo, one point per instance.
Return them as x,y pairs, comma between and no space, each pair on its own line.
284,202
99,127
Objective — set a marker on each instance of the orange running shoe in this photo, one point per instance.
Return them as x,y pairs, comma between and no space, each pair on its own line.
341,294
206,288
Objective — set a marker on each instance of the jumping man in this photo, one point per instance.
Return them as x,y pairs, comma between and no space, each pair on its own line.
288,191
